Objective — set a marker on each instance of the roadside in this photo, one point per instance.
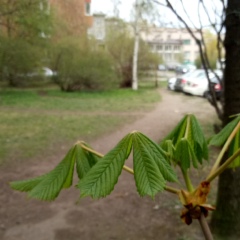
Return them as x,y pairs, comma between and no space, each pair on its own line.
122,215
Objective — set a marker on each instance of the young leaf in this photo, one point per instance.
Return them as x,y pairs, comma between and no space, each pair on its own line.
148,178
178,132
60,177
198,141
150,168
190,138
235,145
168,147
84,161
102,177
159,157
182,154
48,186
26,185
220,138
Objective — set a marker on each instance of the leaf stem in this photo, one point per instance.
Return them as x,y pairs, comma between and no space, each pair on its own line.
224,149
223,166
126,168
187,180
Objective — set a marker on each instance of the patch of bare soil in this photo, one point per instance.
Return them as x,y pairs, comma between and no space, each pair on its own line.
123,214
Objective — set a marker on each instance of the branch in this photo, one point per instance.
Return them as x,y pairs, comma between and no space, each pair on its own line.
224,149
223,167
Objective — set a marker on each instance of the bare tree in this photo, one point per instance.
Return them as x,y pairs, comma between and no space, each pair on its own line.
224,16
196,30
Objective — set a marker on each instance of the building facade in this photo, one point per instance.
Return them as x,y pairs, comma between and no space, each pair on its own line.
175,45
76,14
98,27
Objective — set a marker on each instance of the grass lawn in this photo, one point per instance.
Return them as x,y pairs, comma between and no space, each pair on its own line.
36,120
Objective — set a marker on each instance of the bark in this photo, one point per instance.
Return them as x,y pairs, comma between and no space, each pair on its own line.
136,48
226,219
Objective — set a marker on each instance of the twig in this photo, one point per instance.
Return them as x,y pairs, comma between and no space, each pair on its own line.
224,149
223,166
205,228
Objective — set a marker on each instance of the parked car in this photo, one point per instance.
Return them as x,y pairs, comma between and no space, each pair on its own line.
171,83
181,69
162,67
199,86
44,72
216,85
181,80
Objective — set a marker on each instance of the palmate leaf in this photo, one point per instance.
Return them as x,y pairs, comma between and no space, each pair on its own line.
220,138
150,168
48,186
102,177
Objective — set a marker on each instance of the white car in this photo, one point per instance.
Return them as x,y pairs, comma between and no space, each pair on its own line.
181,80
171,83
199,86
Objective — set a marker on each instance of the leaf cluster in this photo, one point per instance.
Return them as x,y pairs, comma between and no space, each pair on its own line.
97,177
186,144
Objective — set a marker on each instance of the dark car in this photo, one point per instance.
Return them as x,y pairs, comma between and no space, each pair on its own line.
216,85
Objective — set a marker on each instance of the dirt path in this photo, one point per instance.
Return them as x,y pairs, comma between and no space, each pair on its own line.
121,216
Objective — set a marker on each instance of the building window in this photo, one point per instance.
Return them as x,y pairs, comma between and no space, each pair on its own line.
176,47
168,47
87,8
186,41
187,55
159,47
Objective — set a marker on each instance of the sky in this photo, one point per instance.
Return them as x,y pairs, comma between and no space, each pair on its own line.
126,8
107,6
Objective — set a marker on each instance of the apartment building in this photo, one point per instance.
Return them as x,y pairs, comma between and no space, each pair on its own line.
173,44
75,13
98,28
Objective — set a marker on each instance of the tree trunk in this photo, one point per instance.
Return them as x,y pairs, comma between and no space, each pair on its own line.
136,47
226,219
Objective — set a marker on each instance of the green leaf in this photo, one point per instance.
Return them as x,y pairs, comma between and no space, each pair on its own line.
159,157
220,138
168,147
60,177
189,136
148,178
178,132
102,177
48,186
185,154
26,185
84,160
235,145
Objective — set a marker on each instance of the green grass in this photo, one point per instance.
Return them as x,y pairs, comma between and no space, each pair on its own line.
35,121
115,100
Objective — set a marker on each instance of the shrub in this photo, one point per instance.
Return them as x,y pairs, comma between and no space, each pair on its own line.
81,67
